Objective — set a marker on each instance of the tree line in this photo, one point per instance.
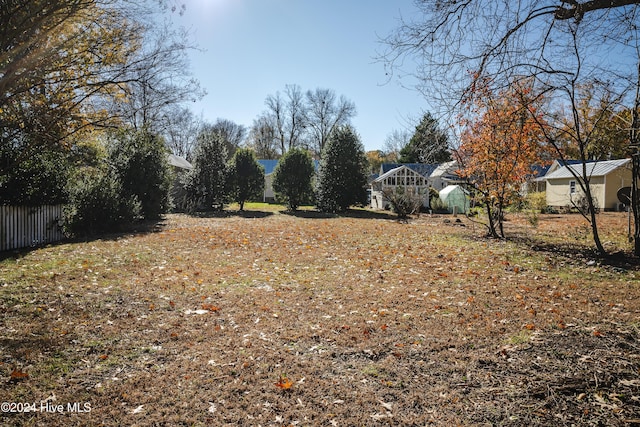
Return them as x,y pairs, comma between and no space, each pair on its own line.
339,182
92,99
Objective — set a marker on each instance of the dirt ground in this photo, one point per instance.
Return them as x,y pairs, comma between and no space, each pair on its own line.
270,319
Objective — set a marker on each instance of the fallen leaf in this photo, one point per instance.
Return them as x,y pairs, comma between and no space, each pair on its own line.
284,383
18,374
210,307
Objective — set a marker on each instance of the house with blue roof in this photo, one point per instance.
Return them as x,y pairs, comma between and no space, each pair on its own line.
269,196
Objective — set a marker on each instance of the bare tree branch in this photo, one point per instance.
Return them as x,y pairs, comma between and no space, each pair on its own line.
577,10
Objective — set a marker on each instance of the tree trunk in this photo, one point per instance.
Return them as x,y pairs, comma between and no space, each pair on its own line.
492,226
592,215
635,171
635,202
499,218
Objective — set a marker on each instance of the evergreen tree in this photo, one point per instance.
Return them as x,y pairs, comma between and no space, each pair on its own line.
342,177
292,178
206,184
246,176
140,161
429,144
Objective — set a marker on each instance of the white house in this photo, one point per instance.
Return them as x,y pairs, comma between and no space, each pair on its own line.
269,166
605,179
444,175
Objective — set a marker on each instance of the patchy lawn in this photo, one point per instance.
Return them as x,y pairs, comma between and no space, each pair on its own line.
273,319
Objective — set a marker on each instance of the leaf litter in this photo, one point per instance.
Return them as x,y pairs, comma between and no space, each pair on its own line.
373,321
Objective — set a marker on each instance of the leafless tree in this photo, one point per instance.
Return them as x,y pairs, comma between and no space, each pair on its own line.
262,139
326,112
395,142
180,128
232,134
160,81
288,116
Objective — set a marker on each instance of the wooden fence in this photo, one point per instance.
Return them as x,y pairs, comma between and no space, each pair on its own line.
29,226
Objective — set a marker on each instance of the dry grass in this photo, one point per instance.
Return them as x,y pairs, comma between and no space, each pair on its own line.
271,319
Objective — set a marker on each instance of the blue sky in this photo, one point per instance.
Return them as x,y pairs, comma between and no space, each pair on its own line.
253,48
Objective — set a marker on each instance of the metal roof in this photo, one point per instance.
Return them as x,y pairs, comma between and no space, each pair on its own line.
270,165
593,169
178,162
396,170
424,169
447,168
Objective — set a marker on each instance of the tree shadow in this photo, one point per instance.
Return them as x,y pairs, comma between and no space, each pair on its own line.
136,229
624,260
350,213
251,214
25,346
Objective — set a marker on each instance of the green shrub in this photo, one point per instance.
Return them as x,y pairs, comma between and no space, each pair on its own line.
139,159
437,205
537,201
246,176
292,178
206,184
342,177
534,205
96,204
404,202
33,175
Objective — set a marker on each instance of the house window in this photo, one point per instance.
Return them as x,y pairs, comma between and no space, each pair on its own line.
572,187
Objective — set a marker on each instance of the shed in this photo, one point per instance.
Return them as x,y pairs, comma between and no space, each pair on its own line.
455,198
605,179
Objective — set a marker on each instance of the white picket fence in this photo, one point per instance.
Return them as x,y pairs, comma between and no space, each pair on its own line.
29,226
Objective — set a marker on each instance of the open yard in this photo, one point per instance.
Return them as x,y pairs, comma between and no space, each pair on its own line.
274,320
